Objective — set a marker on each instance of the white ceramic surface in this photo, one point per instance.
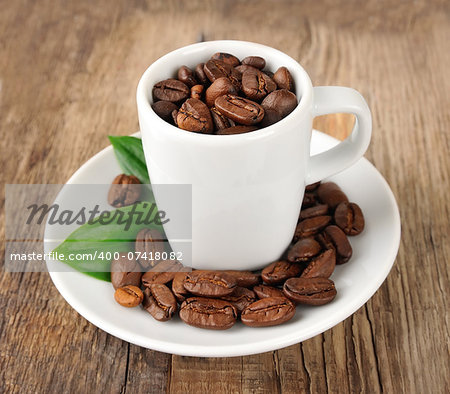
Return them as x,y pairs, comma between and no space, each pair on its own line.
246,188
374,252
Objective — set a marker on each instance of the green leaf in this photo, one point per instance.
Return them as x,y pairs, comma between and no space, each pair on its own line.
98,238
130,155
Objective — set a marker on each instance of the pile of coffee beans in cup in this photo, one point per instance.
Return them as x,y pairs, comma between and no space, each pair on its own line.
225,96
218,299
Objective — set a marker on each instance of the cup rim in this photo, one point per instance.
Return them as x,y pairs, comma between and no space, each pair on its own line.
145,107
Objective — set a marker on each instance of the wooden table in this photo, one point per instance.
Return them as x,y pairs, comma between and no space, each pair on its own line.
68,74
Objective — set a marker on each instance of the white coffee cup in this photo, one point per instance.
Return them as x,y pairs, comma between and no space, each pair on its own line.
247,188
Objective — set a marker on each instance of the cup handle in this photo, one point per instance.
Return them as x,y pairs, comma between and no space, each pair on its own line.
336,99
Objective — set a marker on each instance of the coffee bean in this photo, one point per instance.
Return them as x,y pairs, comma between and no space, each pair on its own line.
304,250
254,61
321,266
256,85
125,271
267,312
200,74
178,286
244,278
310,291
208,313
317,210
309,199
265,291
197,92
270,117
174,116
129,296
244,67
279,271
269,73
186,75
232,60
338,241
164,109
149,244
218,88
240,298
239,109
162,273
349,217
311,226
220,121
283,79
125,190
194,115
312,187
331,194
215,69
282,101
236,130
160,302
209,283
171,90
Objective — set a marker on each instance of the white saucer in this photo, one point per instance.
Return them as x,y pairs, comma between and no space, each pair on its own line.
374,252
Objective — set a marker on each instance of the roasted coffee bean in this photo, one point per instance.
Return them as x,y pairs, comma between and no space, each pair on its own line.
270,117
218,88
331,194
244,278
148,246
240,298
209,283
303,250
317,210
232,60
194,115
240,109
214,314
336,237
197,92
311,226
171,90
215,69
265,291
129,296
174,116
310,291
200,74
125,271
254,61
236,130
268,72
267,312
160,302
186,75
309,199
162,273
321,266
178,286
125,190
244,67
312,187
256,85
283,79
164,109
220,121
283,101
349,217
279,271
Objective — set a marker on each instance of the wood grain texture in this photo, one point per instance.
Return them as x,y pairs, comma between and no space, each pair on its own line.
68,74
